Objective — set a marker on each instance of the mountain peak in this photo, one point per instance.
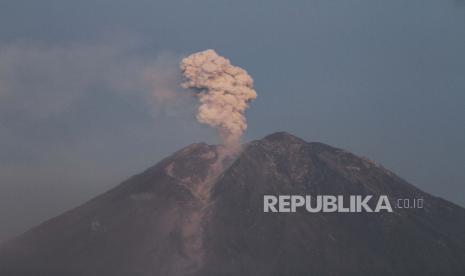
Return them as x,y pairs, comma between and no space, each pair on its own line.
200,212
282,137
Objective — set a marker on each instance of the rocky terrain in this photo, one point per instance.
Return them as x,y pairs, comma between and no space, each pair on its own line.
200,212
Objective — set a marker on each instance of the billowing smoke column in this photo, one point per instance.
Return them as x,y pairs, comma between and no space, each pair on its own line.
224,91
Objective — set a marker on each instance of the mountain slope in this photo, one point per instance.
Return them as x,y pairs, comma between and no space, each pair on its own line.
246,241
200,212
138,228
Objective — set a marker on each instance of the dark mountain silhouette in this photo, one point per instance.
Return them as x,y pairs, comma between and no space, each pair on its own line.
200,212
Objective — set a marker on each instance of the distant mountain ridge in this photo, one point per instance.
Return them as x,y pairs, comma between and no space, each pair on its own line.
200,212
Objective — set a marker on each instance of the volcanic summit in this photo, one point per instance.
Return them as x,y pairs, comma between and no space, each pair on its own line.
200,212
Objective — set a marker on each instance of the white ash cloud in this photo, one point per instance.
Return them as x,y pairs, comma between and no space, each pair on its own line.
224,92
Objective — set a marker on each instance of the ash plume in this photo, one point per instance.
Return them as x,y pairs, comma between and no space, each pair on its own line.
223,90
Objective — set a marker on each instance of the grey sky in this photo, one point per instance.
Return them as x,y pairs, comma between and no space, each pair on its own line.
384,79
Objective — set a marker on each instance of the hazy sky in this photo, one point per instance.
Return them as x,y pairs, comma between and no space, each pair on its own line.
384,79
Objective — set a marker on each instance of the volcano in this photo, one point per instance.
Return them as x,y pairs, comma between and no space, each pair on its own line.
200,212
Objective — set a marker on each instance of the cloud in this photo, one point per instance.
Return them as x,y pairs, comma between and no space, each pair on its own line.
224,92
39,81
